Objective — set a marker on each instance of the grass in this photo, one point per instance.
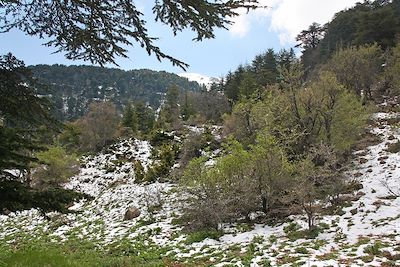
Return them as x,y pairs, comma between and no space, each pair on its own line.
82,253
60,256
301,250
374,249
293,232
201,235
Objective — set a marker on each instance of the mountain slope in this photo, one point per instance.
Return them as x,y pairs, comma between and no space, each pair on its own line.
199,78
365,232
72,88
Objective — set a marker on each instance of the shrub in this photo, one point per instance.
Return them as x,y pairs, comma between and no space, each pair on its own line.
140,173
57,167
159,137
394,147
374,249
18,196
98,126
165,157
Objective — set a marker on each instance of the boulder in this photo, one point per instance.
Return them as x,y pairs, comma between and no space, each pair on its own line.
6,211
131,213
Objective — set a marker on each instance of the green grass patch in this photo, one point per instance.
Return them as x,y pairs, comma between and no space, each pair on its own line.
201,235
374,249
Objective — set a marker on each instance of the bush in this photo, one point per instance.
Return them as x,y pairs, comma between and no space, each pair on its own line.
57,167
140,174
165,157
18,196
98,127
374,249
394,147
159,137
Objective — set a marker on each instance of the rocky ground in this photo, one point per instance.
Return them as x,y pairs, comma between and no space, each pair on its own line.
364,233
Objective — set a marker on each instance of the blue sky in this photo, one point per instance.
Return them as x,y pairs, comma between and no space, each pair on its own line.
253,33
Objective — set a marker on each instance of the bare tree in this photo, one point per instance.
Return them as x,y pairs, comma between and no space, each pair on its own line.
98,126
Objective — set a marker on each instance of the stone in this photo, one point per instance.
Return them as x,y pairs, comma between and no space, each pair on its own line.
131,213
6,211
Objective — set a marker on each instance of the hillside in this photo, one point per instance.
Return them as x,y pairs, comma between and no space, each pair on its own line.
72,88
364,232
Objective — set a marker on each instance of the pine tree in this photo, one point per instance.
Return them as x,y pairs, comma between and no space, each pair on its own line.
129,118
24,111
144,116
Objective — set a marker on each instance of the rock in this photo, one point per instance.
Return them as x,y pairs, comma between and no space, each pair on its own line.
131,213
6,211
391,137
363,160
383,158
360,193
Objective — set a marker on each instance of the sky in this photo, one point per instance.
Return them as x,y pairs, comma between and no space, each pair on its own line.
275,26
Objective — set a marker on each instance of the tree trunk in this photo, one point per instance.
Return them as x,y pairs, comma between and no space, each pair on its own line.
264,205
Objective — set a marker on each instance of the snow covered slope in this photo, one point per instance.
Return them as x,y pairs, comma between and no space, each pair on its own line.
199,78
365,233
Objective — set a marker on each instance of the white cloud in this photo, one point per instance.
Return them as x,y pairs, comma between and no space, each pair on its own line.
289,17
242,23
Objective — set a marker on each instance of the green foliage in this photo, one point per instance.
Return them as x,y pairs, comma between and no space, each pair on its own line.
169,117
311,37
129,118
366,23
139,171
204,106
349,121
374,249
159,137
300,234
357,68
240,182
194,144
249,81
145,117
17,196
58,167
165,156
41,253
138,118
201,235
69,138
392,70
24,111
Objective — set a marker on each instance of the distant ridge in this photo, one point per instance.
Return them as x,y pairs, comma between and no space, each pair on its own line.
73,88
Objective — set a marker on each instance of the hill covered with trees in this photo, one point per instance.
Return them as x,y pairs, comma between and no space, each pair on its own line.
367,22
73,88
